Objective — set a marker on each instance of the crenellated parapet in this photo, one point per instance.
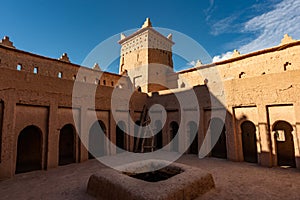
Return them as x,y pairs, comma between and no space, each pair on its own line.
6,42
61,68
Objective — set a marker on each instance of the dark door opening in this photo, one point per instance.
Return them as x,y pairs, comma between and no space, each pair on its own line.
193,135
29,150
218,132
67,145
120,137
284,144
158,136
249,141
97,139
137,141
173,132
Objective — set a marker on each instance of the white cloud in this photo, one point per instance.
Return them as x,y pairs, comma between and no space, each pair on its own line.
224,56
209,10
271,26
223,26
192,63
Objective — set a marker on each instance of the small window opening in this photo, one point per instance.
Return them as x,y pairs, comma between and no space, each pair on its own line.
139,89
182,85
35,70
242,74
285,65
59,75
279,134
205,81
19,67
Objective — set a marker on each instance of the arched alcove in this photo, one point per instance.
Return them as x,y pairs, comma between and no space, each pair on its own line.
120,136
218,131
284,143
67,145
249,141
173,132
29,149
97,139
192,130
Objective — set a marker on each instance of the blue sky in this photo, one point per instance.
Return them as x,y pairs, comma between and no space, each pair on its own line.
51,28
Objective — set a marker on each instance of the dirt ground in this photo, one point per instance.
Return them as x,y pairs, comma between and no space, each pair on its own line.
233,180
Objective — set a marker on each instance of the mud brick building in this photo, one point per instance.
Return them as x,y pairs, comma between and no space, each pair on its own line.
38,113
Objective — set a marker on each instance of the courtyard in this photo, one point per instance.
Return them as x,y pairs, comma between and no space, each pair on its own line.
233,180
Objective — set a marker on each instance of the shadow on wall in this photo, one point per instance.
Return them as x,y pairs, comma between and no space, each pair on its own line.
170,129
97,147
67,145
226,145
30,141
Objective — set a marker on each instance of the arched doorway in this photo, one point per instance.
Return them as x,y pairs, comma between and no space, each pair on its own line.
120,137
97,139
193,136
173,132
284,144
29,150
249,141
67,145
216,126
158,136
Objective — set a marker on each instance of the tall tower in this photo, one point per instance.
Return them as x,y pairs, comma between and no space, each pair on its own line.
146,56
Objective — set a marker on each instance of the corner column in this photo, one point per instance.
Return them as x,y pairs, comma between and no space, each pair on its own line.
265,154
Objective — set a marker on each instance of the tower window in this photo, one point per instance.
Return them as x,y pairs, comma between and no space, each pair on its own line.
19,67
35,70
59,75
